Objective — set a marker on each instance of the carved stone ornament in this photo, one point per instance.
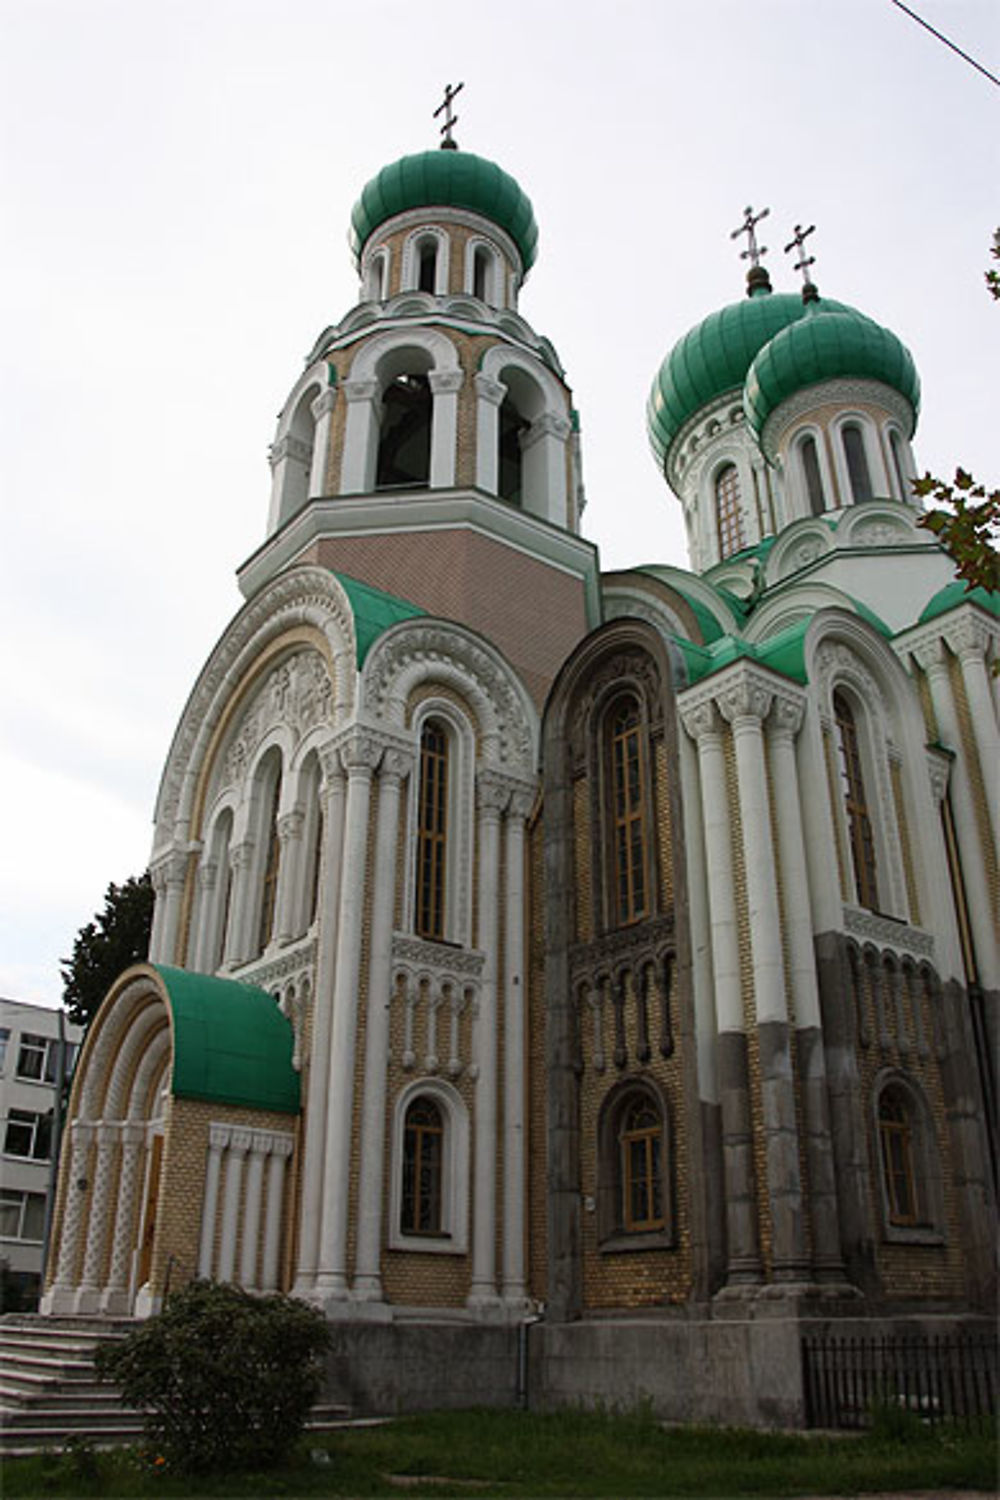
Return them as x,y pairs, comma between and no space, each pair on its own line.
298,694
304,595
418,956
296,962
445,382
421,654
745,699
968,636
625,670
867,926
787,713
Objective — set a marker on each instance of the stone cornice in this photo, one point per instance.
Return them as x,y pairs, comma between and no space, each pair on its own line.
740,689
868,926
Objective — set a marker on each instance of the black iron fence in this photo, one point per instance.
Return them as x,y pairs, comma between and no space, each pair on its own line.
939,1378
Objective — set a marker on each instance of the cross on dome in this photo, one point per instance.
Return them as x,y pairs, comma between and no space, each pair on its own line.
753,252
797,242
450,120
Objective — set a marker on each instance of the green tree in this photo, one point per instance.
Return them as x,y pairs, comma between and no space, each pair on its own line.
118,936
224,1379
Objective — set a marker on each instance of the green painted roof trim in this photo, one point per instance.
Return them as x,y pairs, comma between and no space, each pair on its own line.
446,179
955,593
374,611
232,1045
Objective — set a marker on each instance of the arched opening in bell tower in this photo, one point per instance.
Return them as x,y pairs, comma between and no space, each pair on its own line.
404,446
510,467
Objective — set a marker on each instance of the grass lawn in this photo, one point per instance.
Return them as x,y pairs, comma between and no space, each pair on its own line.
575,1453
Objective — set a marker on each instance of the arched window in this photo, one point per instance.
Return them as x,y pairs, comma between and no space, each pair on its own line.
218,918
271,862
427,253
421,1196
432,833
728,511
404,449
859,825
480,272
628,815
813,476
895,1130
510,477
899,465
633,1186
857,463
908,1162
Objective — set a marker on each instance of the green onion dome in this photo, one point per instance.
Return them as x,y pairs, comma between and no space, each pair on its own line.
714,358
827,343
446,179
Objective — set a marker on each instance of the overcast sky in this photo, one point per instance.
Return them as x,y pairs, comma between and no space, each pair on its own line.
177,182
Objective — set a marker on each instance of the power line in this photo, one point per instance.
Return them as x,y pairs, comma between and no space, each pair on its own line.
942,38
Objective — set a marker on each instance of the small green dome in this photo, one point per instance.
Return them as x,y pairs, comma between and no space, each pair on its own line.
828,342
449,179
713,358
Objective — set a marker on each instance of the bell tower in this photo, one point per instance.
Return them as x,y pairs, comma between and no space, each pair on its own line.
430,448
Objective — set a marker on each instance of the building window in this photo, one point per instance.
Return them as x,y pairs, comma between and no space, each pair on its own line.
480,270
377,268
423,1142
432,832
859,826
908,1163
629,833
896,1140
38,1058
728,511
857,463
28,1135
269,874
4,1039
22,1216
813,476
404,448
641,1167
899,465
427,266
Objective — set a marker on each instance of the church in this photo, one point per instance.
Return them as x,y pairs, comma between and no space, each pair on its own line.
607,956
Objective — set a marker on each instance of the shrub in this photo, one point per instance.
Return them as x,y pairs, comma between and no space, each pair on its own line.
224,1379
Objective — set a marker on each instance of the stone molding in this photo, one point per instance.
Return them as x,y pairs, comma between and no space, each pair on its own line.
869,927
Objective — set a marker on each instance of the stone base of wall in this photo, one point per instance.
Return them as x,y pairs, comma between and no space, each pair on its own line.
732,1371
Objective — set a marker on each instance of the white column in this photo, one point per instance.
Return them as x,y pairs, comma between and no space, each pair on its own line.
59,1298
491,798
167,931
514,1278
281,1150
932,657
318,1077
322,410
489,399
784,724
252,1202
360,753
218,1140
237,930
239,1145
158,878
290,826
367,1271
87,1295
705,727
544,469
445,386
970,640
357,463
202,946
114,1299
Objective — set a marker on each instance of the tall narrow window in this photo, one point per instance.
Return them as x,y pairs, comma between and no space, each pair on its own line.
728,511
315,864
641,1146
896,448
423,1141
628,821
427,270
404,449
814,479
480,270
859,827
895,1129
269,876
432,830
857,464
510,477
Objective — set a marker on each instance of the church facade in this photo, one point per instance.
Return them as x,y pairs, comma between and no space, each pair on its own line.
530,940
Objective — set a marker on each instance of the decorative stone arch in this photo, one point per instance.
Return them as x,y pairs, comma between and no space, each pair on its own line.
426,652
454,1236
375,273
879,523
799,545
301,446
483,271
507,373
418,351
415,246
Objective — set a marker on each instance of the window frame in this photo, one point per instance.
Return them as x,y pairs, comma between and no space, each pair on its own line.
18,1199
452,1235
607,879
615,1232
731,520
32,1120
858,819
926,1226
460,822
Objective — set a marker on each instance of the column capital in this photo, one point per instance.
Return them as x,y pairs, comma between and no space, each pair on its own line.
549,424
291,824
289,447
325,402
241,1141
492,795
701,719
397,763
489,390
219,1136
359,390
929,655
787,715
241,854
360,751
445,382
748,699
968,636
208,872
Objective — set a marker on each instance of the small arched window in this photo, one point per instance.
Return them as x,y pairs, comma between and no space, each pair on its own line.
729,511
640,1142
480,272
404,449
628,818
813,476
858,471
432,833
427,254
271,862
899,465
423,1152
859,825
896,1141
223,892
377,276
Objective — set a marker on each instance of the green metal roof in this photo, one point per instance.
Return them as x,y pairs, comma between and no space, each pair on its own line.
823,345
714,357
955,593
448,179
232,1045
374,611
